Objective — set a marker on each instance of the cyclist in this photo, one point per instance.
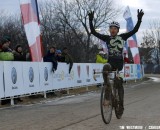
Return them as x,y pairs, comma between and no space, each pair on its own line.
115,44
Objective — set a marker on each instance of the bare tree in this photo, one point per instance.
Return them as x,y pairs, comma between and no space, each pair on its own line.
11,25
73,16
151,39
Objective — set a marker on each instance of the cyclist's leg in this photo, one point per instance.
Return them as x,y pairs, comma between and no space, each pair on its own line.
107,67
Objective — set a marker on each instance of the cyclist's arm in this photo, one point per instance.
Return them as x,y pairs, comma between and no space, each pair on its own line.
125,36
98,35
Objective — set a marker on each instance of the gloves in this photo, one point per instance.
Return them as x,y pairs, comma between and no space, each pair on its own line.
91,15
140,14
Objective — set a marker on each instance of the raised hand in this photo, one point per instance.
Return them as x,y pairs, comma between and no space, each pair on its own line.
91,15
140,14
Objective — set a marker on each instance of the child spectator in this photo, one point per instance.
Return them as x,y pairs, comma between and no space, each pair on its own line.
59,55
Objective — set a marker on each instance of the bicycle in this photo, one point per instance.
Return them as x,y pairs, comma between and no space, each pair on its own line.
106,110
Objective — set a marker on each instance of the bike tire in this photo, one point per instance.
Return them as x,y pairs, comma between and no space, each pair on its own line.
116,105
106,111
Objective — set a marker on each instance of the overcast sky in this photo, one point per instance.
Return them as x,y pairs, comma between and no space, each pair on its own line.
150,7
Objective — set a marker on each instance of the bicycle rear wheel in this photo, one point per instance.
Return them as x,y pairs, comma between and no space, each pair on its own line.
106,109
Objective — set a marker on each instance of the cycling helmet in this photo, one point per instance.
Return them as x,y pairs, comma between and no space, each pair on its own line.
114,24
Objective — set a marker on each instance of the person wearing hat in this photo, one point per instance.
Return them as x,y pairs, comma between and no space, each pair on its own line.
59,55
5,53
8,38
100,58
19,54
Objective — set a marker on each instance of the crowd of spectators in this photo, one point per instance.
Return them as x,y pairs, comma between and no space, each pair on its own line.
18,54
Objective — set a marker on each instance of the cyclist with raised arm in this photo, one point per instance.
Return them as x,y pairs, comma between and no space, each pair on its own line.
115,44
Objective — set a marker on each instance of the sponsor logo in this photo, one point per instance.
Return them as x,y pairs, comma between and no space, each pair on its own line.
46,74
127,71
14,75
87,67
79,73
59,76
31,74
79,70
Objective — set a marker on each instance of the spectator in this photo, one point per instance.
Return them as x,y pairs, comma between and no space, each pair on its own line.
66,57
100,58
28,56
5,53
19,54
59,55
126,59
51,57
8,41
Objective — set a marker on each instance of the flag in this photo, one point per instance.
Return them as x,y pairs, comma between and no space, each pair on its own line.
125,49
132,41
31,22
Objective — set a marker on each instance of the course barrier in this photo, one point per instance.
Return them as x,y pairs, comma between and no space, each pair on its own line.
22,78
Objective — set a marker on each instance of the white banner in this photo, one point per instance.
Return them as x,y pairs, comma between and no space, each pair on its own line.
79,74
88,74
1,81
45,70
98,68
13,79
31,77
62,78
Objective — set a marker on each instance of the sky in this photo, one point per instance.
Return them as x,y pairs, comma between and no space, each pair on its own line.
150,8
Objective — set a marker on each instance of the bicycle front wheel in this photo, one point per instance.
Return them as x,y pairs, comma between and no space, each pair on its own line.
117,104
106,106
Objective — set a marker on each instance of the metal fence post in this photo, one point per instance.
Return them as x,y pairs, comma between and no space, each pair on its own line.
12,101
45,95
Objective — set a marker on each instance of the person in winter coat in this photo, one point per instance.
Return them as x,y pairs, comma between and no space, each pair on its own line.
5,53
51,57
66,57
100,58
19,54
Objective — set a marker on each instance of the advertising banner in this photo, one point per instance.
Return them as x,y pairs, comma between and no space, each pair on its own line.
127,71
1,81
88,74
45,70
62,78
97,68
139,71
79,74
31,77
13,79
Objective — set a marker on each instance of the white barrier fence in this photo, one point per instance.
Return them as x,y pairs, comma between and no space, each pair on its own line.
20,78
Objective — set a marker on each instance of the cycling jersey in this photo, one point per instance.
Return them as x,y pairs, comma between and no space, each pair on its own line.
115,45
